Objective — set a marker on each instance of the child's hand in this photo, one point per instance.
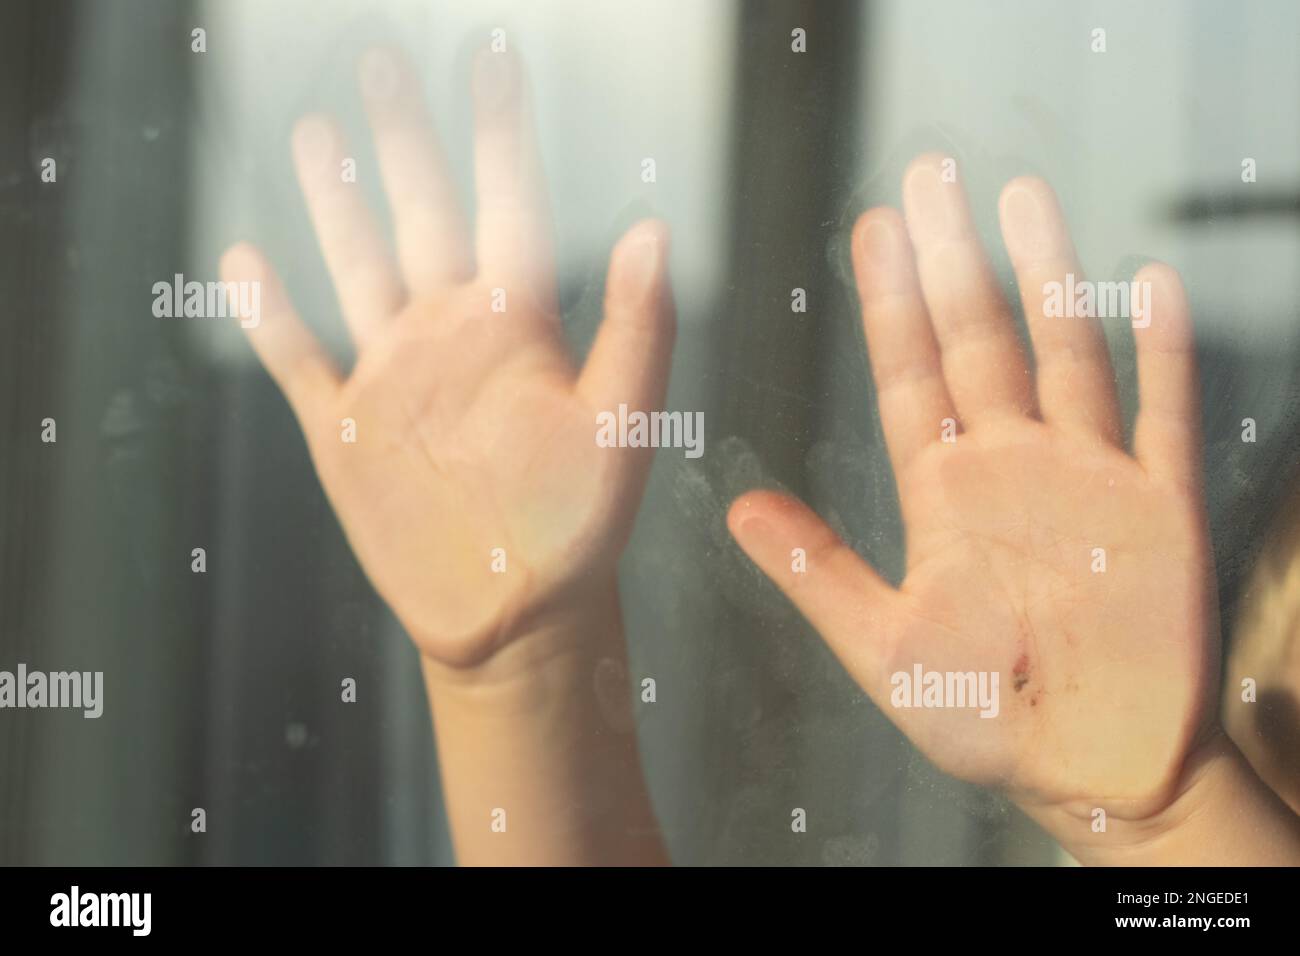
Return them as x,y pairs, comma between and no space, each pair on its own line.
1105,670
473,430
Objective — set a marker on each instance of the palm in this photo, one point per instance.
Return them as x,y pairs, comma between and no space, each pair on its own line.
1103,669
476,486
460,453
1005,576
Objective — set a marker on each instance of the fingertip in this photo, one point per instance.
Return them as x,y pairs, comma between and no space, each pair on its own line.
313,135
649,238
760,514
880,243
1031,219
1170,316
1022,202
934,202
874,221
638,263
740,511
647,230
1035,187
925,166
380,73
1165,279
497,77
242,260
750,521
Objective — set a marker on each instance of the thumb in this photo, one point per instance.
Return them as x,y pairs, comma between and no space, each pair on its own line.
857,612
629,360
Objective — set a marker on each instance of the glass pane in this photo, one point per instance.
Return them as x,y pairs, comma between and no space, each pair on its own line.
270,550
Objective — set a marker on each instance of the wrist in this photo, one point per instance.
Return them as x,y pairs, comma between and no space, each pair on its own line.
543,731
1220,813
542,650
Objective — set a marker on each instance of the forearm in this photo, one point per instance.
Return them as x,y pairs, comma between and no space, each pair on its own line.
1223,815
538,749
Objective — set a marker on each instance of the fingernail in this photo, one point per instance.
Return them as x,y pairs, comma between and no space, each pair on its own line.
879,244
494,79
930,209
641,265
754,530
1026,232
379,75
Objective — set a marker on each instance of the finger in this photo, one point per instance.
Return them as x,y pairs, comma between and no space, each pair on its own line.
356,254
513,228
910,389
983,359
292,356
629,359
433,244
856,612
1076,384
1167,434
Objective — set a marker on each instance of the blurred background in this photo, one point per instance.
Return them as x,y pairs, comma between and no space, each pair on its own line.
222,689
